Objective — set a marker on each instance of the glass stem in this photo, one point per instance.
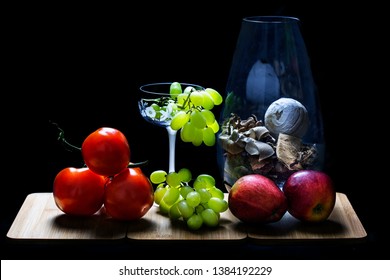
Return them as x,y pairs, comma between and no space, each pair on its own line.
172,143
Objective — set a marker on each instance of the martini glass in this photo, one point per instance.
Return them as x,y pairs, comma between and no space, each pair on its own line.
158,107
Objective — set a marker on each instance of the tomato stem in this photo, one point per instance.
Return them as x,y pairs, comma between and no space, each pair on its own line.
72,148
66,144
137,164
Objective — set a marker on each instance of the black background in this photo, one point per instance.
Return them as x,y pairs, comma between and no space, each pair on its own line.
96,57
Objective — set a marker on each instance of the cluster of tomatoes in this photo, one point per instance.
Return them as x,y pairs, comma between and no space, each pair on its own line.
108,180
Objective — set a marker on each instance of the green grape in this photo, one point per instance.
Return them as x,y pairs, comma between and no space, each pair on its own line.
197,119
208,136
208,116
215,192
196,98
158,194
175,89
199,184
185,190
158,176
205,180
208,102
217,204
180,119
195,205
193,199
199,208
214,126
197,138
185,175
195,222
173,179
182,101
204,195
187,132
189,89
209,217
215,95
171,196
174,212
164,207
185,210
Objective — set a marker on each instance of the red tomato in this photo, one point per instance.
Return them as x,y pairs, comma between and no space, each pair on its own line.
78,191
106,151
129,195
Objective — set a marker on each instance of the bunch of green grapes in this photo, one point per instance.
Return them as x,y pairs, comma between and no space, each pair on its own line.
197,205
194,119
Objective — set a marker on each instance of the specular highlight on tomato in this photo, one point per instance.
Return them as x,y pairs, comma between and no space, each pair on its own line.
106,151
78,191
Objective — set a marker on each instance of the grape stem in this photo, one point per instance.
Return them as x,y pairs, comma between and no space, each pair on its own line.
187,100
72,148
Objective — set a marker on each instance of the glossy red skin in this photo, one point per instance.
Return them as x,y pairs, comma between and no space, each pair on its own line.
106,151
78,191
310,194
255,198
129,195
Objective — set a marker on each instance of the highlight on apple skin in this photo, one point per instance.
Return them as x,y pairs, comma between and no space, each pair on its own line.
310,194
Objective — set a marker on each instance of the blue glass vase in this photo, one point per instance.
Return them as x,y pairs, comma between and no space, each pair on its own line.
271,123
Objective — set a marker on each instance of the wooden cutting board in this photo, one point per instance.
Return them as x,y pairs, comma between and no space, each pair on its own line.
156,226
39,218
342,224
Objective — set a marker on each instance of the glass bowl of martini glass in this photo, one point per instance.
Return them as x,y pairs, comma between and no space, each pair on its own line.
159,103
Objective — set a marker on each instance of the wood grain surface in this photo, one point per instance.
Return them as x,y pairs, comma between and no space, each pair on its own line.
156,226
39,218
343,223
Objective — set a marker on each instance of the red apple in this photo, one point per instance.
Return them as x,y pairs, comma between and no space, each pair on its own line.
311,195
255,198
